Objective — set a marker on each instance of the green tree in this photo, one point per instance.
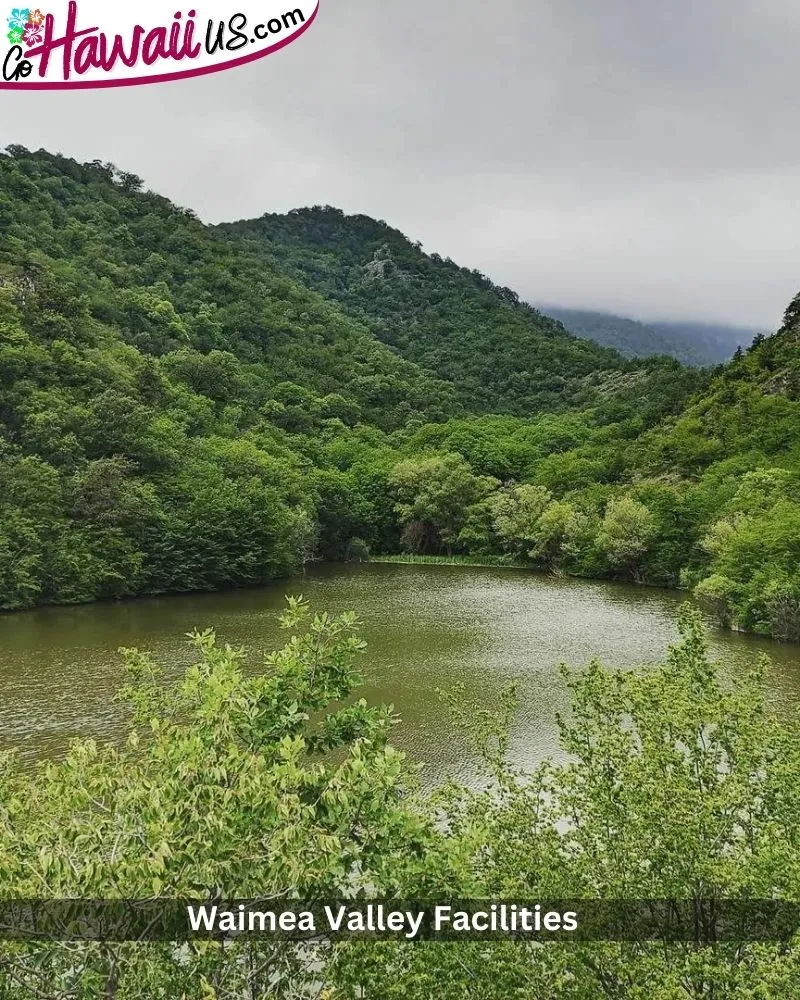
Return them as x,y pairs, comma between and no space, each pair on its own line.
432,497
625,533
758,554
530,524
671,785
517,513
564,533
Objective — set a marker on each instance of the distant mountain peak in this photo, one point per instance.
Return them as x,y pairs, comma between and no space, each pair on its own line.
693,343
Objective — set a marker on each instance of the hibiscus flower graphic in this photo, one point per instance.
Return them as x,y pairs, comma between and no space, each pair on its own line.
33,34
36,17
20,16
15,36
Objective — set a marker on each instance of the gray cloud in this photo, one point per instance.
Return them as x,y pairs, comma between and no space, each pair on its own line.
631,155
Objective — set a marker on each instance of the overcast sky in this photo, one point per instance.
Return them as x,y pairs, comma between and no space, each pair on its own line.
630,155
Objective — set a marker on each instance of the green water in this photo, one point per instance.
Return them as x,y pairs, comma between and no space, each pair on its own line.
427,627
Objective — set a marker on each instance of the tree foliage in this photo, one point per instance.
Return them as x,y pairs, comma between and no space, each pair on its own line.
502,355
433,497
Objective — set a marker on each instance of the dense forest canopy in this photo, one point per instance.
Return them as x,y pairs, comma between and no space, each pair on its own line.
501,355
188,407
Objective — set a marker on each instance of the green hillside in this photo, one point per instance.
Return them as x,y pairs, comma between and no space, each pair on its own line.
134,267
738,446
501,355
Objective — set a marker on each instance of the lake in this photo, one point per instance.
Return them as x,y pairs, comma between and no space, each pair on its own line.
427,627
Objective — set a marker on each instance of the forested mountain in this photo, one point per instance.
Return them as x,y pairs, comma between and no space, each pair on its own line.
185,407
502,355
691,343
152,380
90,248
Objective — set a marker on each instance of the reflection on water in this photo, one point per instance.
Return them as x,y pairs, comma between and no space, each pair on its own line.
427,627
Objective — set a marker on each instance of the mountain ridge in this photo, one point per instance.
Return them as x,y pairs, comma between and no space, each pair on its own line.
502,354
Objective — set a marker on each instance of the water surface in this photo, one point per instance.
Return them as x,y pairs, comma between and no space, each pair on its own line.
428,627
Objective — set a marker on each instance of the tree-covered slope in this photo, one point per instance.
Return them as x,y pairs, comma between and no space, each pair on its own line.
110,261
707,499
177,413
159,390
751,408
502,355
690,343
738,446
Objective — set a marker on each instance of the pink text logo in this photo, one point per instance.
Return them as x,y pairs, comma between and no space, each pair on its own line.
90,43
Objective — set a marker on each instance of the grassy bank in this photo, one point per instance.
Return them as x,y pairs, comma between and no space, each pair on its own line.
484,561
